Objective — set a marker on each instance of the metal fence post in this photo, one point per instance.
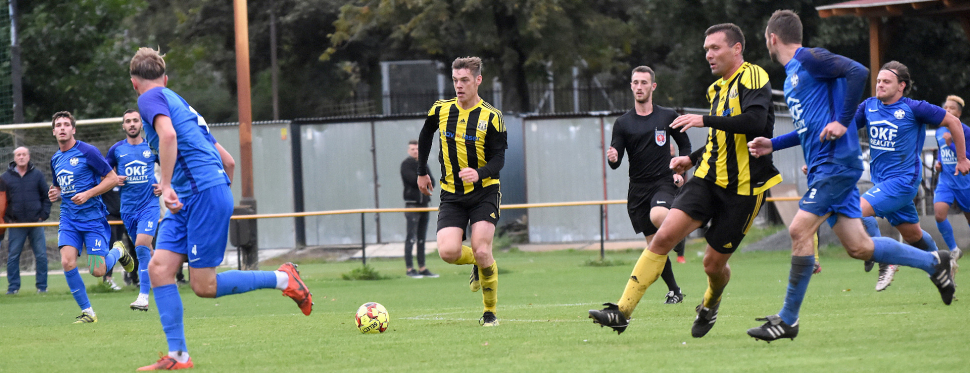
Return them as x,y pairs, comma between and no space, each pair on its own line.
363,241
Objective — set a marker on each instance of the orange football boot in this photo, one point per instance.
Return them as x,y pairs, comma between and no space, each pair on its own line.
296,289
166,362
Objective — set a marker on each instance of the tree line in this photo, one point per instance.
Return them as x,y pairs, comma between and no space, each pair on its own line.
75,54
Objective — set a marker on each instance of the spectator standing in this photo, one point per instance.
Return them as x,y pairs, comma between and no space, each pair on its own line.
27,202
417,226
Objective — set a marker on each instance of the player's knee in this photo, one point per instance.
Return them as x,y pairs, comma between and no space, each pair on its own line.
68,263
483,256
800,234
204,290
449,256
939,214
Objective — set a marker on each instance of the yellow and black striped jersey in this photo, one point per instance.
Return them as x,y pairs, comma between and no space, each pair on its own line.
473,138
741,110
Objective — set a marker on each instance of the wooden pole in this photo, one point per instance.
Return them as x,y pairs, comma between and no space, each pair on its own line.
875,53
244,98
247,243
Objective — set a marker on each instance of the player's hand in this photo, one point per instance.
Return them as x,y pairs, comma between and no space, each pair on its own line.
804,169
157,190
760,146
832,131
80,198
171,200
963,166
680,164
611,155
121,180
468,175
937,166
948,137
678,180
424,184
54,193
686,121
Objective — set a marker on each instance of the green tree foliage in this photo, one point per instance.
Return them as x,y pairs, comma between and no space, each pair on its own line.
517,39
71,52
75,53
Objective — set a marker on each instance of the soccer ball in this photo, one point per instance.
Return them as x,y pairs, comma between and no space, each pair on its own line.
372,318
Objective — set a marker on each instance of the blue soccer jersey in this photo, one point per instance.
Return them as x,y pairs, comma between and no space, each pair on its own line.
77,170
823,87
137,162
948,160
198,165
896,134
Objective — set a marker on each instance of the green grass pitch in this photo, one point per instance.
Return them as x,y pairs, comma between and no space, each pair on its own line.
543,303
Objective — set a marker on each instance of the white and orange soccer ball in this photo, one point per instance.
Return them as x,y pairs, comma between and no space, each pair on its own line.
372,318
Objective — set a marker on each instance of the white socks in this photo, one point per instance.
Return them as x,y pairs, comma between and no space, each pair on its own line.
282,280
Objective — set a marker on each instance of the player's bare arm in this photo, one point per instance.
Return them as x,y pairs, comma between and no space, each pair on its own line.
228,163
167,153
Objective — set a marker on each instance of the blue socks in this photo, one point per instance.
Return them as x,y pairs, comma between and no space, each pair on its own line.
801,273
236,282
890,251
926,243
144,256
947,231
111,258
169,305
76,284
872,227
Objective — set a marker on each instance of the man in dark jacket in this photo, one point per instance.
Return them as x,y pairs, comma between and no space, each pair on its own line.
27,202
417,221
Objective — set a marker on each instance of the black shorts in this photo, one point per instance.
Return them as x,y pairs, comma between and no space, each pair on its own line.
643,197
730,214
461,210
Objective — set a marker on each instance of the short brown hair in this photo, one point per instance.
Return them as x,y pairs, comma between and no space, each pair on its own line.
473,64
901,72
786,24
63,114
147,64
645,69
413,142
731,32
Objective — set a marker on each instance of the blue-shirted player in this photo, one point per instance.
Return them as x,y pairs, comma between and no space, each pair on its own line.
952,187
81,175
134,162
822,90
194,186
897,128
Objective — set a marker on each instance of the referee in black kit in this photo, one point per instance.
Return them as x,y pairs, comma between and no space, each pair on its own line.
644,132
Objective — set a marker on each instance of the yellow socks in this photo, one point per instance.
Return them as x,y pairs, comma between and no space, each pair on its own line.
709,300
646,271
467,256
489,279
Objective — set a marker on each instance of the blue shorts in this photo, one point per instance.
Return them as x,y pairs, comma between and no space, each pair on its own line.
200,230
893,199
144,221
91,234
833,189
949,196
